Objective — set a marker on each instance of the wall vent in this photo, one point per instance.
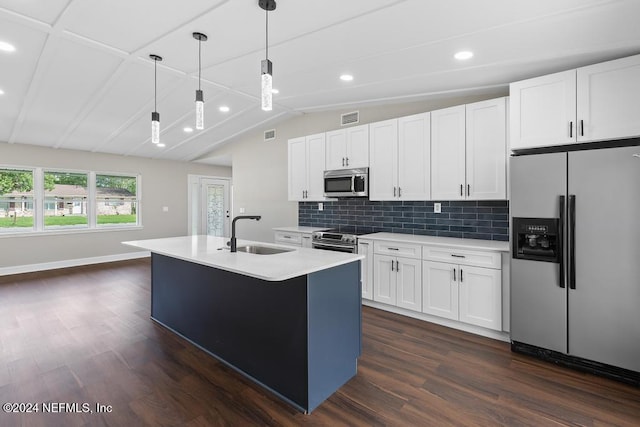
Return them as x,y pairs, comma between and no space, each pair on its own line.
269,135
350,118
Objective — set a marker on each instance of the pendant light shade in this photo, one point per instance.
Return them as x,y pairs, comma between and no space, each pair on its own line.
266,65
199,95
155,116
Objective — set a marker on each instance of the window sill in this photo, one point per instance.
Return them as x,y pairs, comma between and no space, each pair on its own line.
69,231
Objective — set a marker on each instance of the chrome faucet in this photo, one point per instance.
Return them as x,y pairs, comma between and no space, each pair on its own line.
232,242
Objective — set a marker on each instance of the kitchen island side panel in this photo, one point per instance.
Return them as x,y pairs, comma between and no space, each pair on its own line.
335,329
258,327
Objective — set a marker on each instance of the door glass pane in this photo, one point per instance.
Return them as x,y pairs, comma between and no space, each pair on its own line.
215,210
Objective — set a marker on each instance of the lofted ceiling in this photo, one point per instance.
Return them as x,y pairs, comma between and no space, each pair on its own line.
81,78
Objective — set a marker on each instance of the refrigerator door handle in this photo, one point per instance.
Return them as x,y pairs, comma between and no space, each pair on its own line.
572,241
560,245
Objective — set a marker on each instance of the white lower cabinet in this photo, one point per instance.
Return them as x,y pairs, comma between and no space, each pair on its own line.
461,290
365,247
463,284
397,280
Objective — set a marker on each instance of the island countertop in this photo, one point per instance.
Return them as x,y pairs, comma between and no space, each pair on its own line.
206,250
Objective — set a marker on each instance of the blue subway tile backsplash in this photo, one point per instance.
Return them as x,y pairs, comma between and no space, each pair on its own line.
487,220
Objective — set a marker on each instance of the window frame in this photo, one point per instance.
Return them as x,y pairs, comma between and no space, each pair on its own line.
39,229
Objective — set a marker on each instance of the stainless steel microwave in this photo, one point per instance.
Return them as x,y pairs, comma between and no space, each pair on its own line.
346,183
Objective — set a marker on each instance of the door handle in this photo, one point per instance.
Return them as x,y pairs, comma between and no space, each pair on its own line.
561,237
572,241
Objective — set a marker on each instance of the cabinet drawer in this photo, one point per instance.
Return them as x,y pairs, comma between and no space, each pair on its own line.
288,238
462,256
398,249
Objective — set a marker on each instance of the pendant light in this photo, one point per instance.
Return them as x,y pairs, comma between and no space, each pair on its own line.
266,65
155,116
199,97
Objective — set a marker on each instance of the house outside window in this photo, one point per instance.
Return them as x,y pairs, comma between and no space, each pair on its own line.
67,193
116,200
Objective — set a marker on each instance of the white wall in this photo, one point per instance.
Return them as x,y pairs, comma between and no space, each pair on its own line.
260,168
164,183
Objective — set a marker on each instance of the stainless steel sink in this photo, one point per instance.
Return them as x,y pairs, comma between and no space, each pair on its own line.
262,250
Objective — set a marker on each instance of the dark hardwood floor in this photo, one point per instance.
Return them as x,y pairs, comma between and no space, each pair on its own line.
83,335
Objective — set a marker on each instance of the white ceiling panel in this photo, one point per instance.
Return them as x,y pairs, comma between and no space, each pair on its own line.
81,77
16,71
45,11
129,25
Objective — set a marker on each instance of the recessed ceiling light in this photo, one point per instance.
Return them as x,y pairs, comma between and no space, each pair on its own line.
462,55
7,47
224,108
346,77
160,145
188,129
1,92
274,90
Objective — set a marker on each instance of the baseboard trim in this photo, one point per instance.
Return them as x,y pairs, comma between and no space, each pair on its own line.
31,268
477,330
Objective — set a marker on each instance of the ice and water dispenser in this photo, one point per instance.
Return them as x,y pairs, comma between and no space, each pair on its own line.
537,239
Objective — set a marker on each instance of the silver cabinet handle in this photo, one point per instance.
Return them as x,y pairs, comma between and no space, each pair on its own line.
393,249
570,129
468,189
391,265
457,256
394,191
397,265
461,279
462,189
454,275
581,127
399,192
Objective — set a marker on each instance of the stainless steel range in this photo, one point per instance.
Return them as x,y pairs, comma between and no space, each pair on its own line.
334,240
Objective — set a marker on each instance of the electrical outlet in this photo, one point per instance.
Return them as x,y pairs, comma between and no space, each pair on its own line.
320,206
165,209
241,210
437,208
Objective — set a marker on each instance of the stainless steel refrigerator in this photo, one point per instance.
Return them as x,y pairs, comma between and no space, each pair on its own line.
575,259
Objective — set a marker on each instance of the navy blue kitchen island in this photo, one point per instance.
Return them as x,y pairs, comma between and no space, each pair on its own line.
297,336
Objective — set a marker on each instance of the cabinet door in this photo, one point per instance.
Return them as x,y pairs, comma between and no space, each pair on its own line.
306,240
315,167
383,149
414,157
366,248
608,95
486,150
336,149
481,297
358,147
384,279
448,153
409,283
543,111
439,289
297,164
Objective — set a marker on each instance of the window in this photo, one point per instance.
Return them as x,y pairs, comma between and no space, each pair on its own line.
116,200
65,199
16,200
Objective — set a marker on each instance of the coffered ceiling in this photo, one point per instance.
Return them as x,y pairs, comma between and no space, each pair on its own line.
81,78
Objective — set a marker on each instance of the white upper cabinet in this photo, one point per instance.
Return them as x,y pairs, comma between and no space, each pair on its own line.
306,168
486,149
543,111
448,153
400,158
347,148
609,100
468,151
593,103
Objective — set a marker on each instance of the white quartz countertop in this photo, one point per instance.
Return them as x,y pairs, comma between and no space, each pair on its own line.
300,229
206,250
452,242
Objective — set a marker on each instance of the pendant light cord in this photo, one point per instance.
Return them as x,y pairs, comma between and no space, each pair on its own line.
155,85
199,61
266,37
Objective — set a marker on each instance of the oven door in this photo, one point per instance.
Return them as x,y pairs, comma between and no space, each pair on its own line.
335,247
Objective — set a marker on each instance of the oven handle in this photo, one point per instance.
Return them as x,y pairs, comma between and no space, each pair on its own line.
337,248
